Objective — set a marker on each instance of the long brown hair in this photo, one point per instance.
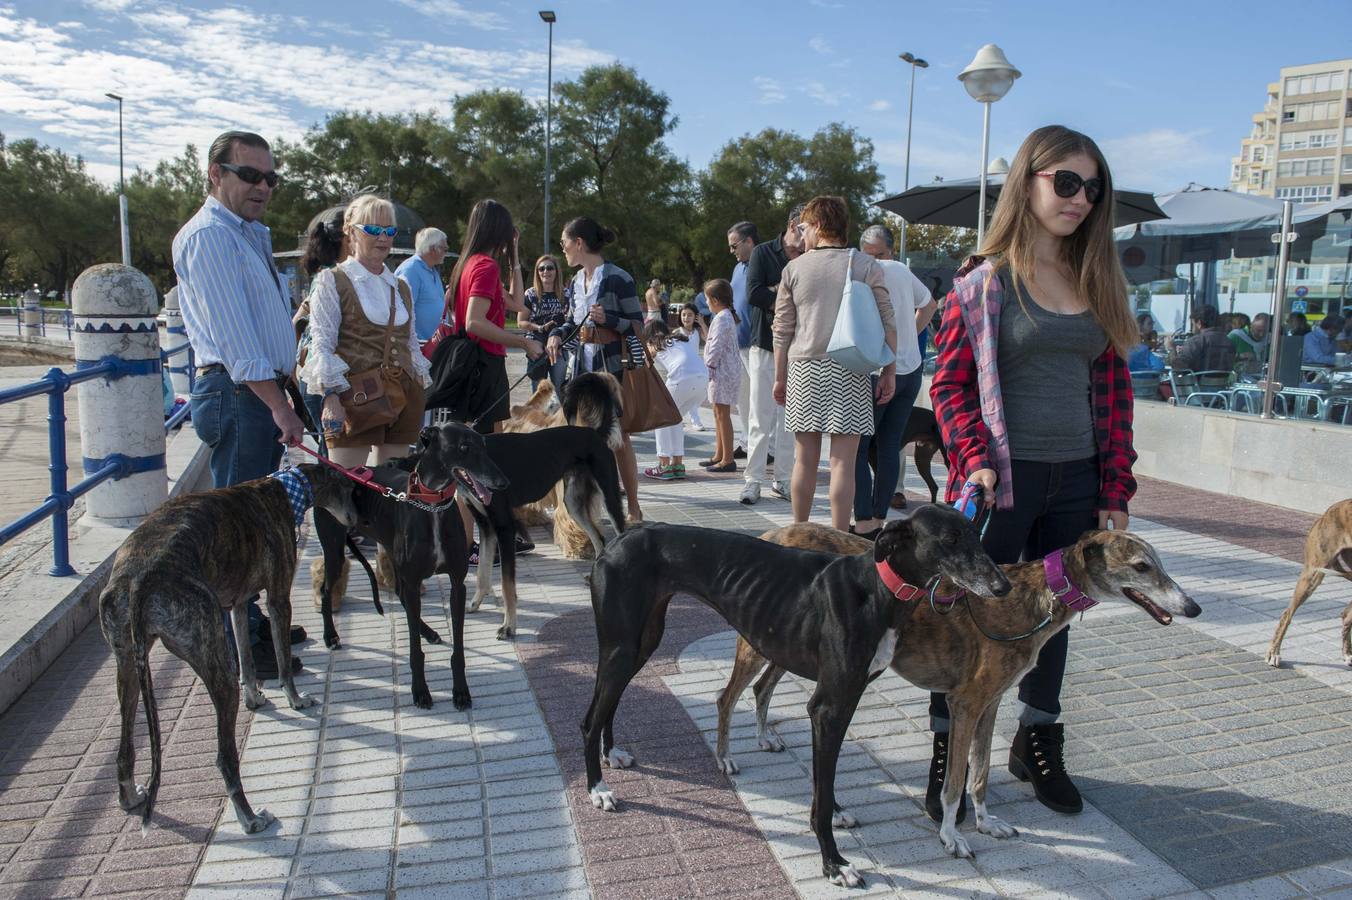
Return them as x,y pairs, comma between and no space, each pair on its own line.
489,231
1089,251
558,276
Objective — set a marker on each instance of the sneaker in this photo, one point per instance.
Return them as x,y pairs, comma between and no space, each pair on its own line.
474,555
739,453
750,493
660,472
934,801
523,545
678,470
781,490
1037,755
298,634
265,663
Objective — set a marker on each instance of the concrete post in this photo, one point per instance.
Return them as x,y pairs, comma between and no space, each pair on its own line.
32,312
175,335
121,419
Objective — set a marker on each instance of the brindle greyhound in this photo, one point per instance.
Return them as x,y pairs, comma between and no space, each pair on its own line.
421,542
1328,551
949,651
193,557
821,616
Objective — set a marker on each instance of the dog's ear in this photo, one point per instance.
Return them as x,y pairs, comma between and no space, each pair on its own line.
1093,555
426,436
894,534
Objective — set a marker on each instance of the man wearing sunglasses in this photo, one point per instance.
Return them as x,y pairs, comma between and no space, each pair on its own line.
422,273
237,312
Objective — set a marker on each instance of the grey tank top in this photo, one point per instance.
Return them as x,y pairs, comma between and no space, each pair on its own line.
1044,361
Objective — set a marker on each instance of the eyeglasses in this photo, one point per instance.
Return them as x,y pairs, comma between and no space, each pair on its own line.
378,230
251,175
547,269
1067,184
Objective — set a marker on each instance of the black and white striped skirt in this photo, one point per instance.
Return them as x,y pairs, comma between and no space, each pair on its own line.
825,396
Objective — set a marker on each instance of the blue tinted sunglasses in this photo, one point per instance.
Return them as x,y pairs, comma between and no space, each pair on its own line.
378,230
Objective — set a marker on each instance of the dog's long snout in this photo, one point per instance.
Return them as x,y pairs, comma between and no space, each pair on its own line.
1000,585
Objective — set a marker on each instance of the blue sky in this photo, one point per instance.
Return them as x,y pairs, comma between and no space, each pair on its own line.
1166,88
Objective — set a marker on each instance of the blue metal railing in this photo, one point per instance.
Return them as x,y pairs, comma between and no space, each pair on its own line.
189,369
55,384
67,320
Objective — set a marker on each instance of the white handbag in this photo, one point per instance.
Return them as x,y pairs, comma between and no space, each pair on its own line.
857,340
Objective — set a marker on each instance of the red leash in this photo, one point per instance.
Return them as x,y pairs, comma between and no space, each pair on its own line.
417,494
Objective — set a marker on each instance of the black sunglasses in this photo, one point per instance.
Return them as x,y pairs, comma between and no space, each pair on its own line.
1067,184
251,175
546,269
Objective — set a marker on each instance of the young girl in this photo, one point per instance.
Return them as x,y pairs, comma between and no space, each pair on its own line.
1043,315
725,371
548,307
692,327
687,381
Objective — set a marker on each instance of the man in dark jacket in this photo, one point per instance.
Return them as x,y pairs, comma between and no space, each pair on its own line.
1209,349
766,420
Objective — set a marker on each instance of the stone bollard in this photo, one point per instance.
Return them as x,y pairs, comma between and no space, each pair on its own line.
32,312
175,335
122,417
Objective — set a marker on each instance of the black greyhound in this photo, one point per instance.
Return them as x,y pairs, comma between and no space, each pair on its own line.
533,462
821,616
421,543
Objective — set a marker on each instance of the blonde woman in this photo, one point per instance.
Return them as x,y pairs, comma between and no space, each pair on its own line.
1045,428
360,317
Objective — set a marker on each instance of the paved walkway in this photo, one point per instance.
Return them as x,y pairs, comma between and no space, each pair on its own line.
1205,772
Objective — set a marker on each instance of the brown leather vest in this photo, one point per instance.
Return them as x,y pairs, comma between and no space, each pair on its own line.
361,342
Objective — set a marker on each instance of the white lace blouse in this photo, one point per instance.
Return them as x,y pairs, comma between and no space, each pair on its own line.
324,369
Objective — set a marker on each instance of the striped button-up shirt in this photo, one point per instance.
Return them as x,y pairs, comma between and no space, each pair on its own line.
235,305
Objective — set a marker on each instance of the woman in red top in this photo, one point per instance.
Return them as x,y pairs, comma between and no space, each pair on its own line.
1034,403
481,304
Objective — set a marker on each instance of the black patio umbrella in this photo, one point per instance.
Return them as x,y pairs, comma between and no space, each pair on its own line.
955,203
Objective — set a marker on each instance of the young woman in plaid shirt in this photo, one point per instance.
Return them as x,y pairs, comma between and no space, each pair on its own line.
1034,402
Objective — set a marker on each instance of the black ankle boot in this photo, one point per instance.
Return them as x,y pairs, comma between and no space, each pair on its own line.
1037,755
934,794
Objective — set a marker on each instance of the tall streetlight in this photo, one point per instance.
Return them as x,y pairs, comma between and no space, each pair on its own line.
915,63
121,187
547,16
987,79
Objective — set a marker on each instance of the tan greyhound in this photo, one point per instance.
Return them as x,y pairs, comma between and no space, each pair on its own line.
1328,551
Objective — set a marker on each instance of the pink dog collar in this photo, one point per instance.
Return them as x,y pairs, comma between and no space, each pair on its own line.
1061,587
896,584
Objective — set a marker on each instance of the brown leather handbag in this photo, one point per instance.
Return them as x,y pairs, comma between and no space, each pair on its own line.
375,398
647,402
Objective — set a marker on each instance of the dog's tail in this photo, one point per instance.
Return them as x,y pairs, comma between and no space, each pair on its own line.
137,604
370,573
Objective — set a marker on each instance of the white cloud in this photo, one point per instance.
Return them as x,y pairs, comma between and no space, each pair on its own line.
879,106
188,74
771,91
823,94
820,45
1164,159
454,11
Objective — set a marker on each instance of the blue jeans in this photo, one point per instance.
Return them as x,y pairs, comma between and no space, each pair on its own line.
314,405
1054,503
237,426
871,498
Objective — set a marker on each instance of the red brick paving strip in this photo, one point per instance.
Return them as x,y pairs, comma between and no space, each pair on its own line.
62,833
681,830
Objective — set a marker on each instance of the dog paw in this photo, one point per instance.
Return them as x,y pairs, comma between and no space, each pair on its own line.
842,819
506,633
138,797
431,636
333,642
602,798
728,766
422,697
262,820
770,742
844,876
1274,659
618,759
302,700
461,699
473,605
1347,659
995,827
955,843
254,698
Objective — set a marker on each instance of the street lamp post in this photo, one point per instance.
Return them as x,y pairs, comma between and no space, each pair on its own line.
547,16
987,79
915,63
121,187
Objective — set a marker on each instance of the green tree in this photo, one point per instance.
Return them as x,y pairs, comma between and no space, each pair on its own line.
158,203
499,151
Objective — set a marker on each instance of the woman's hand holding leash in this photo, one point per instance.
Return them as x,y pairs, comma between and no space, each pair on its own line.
332,416
985,478
1115,517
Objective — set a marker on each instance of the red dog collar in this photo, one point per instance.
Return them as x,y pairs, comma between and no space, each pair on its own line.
1061,586
898,585
418,491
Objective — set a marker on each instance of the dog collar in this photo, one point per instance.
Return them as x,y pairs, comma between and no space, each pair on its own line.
897,585
1061,586
419,491
298,492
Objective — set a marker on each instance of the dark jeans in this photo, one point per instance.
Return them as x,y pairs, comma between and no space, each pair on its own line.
314,405
237,426
871,498
1054,503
